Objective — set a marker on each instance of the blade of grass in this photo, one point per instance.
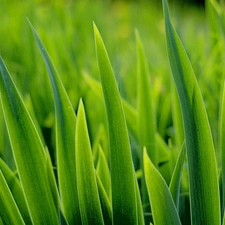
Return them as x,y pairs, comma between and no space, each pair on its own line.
174,186
105,202
222,145
89,202
162,205
65,140
16,190
9,211
204,184
146,119
177,118
122,171
28,152
103,171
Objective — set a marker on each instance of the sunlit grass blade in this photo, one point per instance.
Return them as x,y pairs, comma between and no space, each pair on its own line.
177,118
163,208
28,152
9,211
140,212
146,119
174,186
122,172
65,141
203,178
103,171
52,180
130,112
89,202
105,203
16,190
222,145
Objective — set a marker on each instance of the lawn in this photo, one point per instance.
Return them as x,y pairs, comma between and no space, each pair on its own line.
112,112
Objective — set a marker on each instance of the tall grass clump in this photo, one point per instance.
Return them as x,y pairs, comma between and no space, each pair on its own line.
83,148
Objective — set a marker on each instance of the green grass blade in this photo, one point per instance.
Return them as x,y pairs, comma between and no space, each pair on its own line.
105,203
16,190
222,144
89,202
9,211
28,152
146,119
122,171
103,171
204,184
177,118
130,112
141,220
174,186
65,127
162,205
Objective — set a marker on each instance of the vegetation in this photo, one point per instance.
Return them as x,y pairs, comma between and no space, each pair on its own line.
109,136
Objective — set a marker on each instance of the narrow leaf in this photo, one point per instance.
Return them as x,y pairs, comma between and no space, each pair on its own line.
9,211
65,140
122,170
89,202
174,186
204,184
103,172
105,203
16,190
162,205
28,152
146,119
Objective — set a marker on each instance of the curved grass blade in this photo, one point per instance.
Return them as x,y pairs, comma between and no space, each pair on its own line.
105,203
130,112
65,141
89,202
103,171
9,211
141,220
222,145
177,118
204,184
146,118
122,170
28,152
162,205
16,190
174,186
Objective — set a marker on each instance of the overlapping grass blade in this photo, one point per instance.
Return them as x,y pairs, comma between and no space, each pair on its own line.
89,202
65,141
204,185
28,151
130,112
122,172
9,211
174,186
222,145
146,119
163,208
105,203
140,212
16,190
103,171
177,118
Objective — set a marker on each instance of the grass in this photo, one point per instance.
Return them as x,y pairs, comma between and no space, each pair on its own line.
112,139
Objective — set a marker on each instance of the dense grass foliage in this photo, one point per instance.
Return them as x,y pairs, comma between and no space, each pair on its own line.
120,124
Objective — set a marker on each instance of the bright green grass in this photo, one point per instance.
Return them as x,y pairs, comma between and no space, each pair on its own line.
134,123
